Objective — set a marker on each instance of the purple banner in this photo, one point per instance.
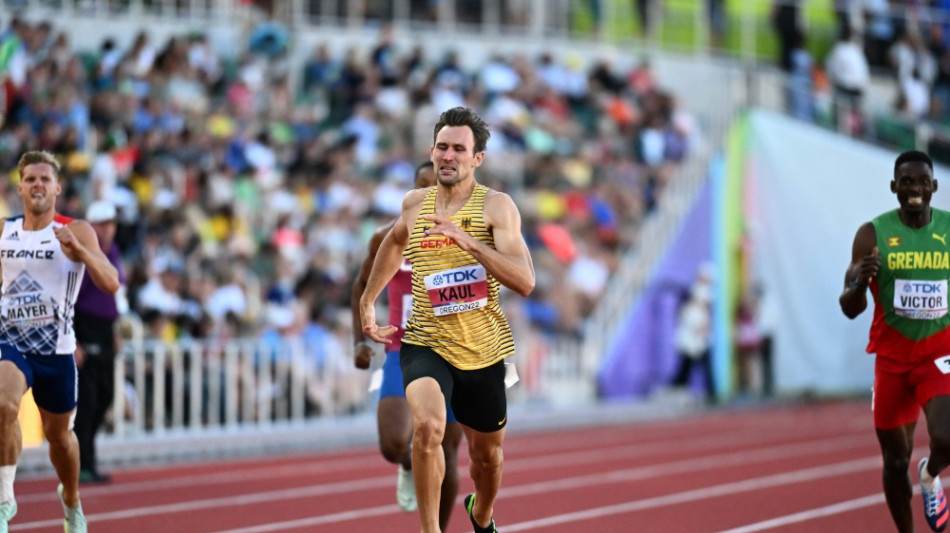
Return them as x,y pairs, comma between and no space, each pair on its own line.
642,355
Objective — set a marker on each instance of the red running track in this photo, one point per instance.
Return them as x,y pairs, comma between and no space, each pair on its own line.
797,469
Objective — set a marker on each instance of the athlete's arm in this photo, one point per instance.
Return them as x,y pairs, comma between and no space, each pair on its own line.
362,350
865,264
386,264
509,261
79,243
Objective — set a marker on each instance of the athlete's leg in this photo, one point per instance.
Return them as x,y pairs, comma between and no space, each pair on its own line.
485,466
428,382
937,411
896,408
63,452
393,417
896,447
13,384
428,461
12,388
450,482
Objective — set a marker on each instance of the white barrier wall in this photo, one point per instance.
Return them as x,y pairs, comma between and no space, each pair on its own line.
812,189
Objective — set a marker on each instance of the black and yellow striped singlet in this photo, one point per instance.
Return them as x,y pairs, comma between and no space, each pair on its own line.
455,308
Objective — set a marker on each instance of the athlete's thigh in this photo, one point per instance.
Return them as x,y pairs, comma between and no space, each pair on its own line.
894,401
55,382
483,446
479,399
16,374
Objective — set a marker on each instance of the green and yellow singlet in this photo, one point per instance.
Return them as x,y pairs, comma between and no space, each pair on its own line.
455,308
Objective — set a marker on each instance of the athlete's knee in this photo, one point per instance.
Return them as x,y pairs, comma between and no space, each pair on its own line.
393,450
896,462
428,432
9,410
485,457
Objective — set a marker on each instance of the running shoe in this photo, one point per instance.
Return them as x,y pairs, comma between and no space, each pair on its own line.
75,521
935,501
469,506
7,512
406,490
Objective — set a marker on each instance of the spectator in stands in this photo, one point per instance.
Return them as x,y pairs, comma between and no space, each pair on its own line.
849,74
213,160
787,22
799,95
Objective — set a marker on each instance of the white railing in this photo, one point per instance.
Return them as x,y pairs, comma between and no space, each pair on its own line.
208,386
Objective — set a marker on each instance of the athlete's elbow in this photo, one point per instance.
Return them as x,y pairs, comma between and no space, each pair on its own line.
111,287
526,288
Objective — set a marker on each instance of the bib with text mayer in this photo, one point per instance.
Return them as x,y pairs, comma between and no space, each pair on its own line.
458,289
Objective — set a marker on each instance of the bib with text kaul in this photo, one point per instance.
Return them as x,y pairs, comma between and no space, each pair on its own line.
457,290
920,300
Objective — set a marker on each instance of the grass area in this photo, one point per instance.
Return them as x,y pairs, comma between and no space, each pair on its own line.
683,26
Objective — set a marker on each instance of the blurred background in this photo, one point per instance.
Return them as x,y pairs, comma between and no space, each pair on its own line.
690,175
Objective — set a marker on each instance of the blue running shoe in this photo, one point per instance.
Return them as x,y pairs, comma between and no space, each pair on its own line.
469,506
935,501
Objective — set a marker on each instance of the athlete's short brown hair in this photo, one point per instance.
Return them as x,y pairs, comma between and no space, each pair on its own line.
34,157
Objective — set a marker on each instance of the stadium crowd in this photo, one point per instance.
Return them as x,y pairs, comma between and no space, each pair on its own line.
904,44
247,186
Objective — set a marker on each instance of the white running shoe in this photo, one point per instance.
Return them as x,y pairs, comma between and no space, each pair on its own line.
75,521
7,512
406,490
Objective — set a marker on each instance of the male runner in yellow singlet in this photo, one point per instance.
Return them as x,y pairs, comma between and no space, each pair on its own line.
464,241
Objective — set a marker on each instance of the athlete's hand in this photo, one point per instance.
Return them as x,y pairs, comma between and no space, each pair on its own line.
444,227
372,330
869,267
362,354
379,334
68,241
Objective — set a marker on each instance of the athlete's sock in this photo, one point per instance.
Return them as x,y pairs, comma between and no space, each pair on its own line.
7,475
926,479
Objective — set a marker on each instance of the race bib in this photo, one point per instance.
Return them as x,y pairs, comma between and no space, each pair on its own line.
920,300
457,290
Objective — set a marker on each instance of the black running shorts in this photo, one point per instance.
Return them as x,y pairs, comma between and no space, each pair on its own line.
476,396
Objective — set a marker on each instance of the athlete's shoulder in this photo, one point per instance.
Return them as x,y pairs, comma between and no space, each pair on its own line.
416,196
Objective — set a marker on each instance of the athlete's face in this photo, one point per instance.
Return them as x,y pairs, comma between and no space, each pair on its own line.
39,187
914,185
453,155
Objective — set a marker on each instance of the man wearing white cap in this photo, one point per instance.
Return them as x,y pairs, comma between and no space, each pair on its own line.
96,314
